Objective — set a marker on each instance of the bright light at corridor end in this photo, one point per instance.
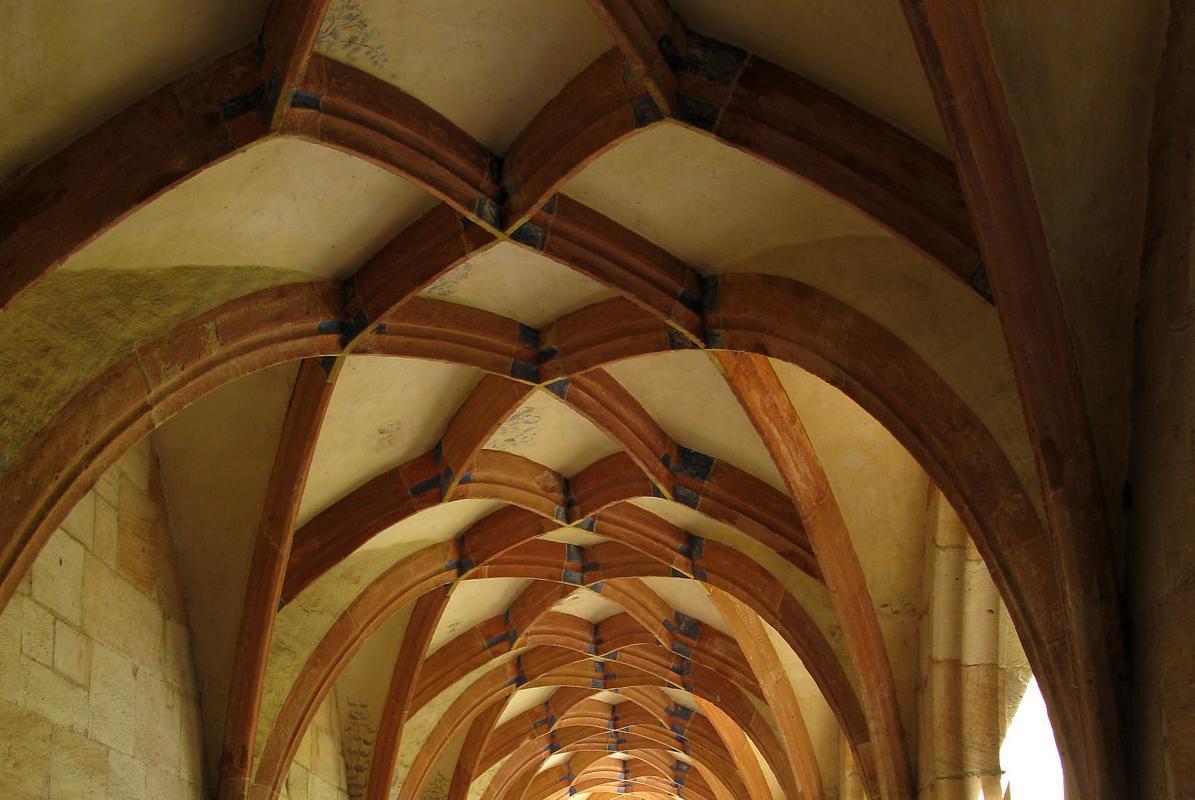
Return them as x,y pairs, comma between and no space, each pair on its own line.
1028,756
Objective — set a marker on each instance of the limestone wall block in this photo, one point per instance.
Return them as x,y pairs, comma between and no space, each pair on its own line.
45,692
72,653
126,777
113,699
37,631
58,578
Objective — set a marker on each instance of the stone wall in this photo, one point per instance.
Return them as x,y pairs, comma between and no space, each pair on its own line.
98,697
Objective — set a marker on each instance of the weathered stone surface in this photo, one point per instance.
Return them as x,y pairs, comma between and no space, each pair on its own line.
80,523
138,539
296,782
113,699
105,533
126,777
156,739
10,650
78,767
180,666
25,744
47,693
121,617
72,652
37,632
58,577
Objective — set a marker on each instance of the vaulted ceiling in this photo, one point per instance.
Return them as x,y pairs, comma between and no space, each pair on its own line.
593,364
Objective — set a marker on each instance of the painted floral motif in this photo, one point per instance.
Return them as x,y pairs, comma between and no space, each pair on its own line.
346,30
359,737
520,428
447,283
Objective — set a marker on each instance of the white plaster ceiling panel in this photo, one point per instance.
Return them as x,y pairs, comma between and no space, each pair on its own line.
518,283
588,605
214,458
482,782
819,718
681,697
883,494
303,621
860,49
548,432
688,597
950,326
687,395
707,203
419,725
65,71
281,203
555,760
574,535
811,593
610,696
362,688
880,487
474,601
384,412
525,700
488,67
430,526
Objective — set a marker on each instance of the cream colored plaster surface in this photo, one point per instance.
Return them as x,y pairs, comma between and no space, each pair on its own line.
282,203
688,597
472,602
684,392
438,782
215,459
421,724
733,213
66,71
573,535
518,283
707,203
955,331
548,432
681,697
488,68
71,326
882,493
879,487
305,620
436,524
384,411
610,696
361,692
525,700
588,605
860,49
1079,77
481,782
809,592
819,719
556,759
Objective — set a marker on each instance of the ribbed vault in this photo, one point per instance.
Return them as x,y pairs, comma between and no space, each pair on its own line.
591,382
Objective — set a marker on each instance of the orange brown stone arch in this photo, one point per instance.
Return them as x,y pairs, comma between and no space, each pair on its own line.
858,363
1061,592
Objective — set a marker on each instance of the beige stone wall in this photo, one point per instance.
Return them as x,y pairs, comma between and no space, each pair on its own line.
317,772
98,697
961,707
